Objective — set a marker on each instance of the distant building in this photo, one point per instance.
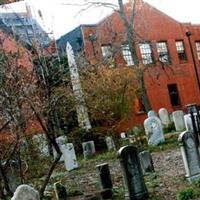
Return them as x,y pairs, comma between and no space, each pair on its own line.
161,45
26,29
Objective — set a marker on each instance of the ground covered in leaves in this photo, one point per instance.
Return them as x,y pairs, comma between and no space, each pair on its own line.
166,183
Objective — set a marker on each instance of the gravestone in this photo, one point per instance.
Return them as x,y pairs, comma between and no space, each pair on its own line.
25,192
164,116
190,154
146,162
88,149
69,156
60,191
105,180
110,143
154,131
178,118
134,183
188,122
152,113
123,135
61,140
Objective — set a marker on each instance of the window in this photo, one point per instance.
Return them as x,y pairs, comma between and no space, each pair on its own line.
198,49
127,55
146,53
174,95
181,51
162,52
106,51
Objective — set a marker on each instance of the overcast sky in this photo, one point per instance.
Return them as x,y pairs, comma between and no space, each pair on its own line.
63,18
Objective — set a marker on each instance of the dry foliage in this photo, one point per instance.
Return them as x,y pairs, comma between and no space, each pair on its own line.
109,93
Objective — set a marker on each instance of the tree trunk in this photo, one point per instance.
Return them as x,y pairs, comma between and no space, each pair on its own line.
144,96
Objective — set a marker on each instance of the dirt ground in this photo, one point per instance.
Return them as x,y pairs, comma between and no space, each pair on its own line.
164,184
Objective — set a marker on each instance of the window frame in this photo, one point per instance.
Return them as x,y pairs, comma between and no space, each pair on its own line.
106,46
146,54
198,49
159,52
181,56
127,57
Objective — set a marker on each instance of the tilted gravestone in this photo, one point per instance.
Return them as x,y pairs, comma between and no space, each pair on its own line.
178,118
60,191
134,183
152,113
88,149
105,180
25,192
190,154
146,162
164,116
154,131
110,143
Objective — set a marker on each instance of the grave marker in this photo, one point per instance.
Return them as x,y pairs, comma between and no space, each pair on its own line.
135,187
154,131
190,154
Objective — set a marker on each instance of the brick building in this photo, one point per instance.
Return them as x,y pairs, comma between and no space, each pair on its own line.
162,45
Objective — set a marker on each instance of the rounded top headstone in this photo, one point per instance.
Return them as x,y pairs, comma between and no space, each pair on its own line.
152,113
25,192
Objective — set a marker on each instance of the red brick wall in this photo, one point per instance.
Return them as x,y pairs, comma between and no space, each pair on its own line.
152,25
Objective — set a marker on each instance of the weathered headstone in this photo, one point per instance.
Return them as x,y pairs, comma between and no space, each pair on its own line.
178,118
135,187
88,149
69,156
154,131
146,162
25,192
152,113
60,191
164,116
110,143
190,154
105,180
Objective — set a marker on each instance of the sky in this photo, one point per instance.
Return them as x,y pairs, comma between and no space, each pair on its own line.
60,17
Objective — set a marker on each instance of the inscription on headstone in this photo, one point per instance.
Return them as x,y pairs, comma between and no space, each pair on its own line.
135,187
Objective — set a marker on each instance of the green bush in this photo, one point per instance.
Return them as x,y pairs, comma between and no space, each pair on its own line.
186,194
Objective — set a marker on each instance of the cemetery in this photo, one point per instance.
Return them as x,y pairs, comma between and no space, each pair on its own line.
142,163
101,112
